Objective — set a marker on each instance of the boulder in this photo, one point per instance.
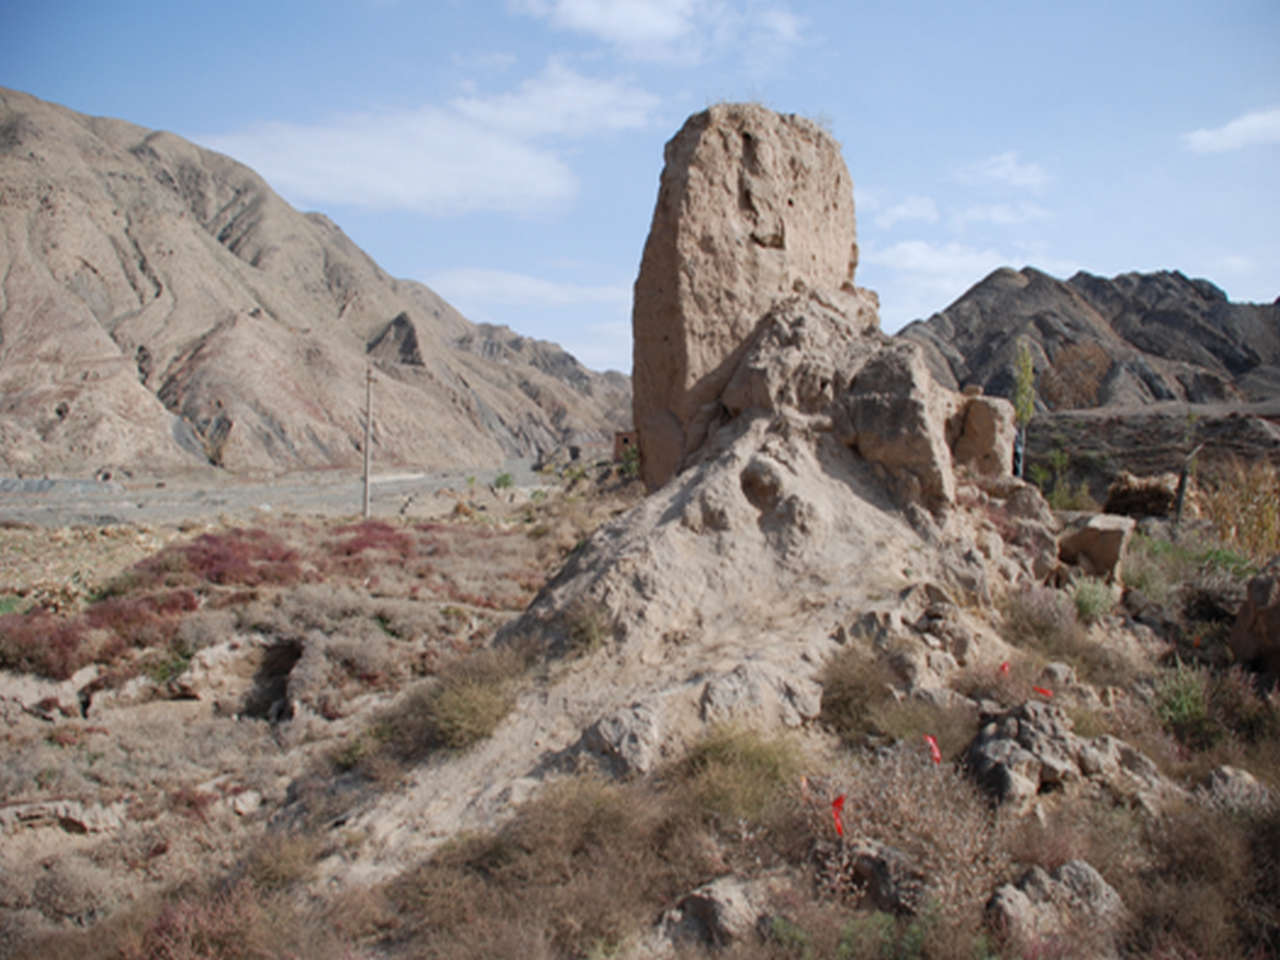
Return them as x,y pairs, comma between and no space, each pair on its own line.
1234,790
866,870
752,206
985,444
1097,545
898,417
1071,907
631,738
1255,637
1031,750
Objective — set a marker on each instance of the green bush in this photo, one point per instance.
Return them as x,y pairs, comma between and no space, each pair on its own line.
503,480
1182,704
1092,599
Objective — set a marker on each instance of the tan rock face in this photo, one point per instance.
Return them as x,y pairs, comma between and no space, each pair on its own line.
752,207
1098,545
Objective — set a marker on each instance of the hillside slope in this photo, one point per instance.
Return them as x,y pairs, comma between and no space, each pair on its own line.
1134,339
161,308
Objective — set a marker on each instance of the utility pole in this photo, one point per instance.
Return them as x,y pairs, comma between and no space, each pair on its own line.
368,432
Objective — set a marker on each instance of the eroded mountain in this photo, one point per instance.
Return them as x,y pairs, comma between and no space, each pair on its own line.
161,308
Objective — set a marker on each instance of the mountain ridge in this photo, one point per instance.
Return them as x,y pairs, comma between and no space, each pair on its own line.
1138,338
163,309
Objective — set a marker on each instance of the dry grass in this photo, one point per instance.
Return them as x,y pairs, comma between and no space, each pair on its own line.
1046,620
1242,502
1210,889
577,873
238,922
860,704
461,706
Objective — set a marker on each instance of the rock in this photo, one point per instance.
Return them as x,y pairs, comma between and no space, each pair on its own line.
721,909
73,816
760,696
243,804
1235,790
898,419
48,700
985,444
1255,636
1031,750
752,206
1097,545
630,737
717,914
1071,907
863,869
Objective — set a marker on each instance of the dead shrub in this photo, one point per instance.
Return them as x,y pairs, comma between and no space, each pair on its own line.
238,922
237,557
281,860
1005,684
1210,888
147,620
576,873
854,685
1045,619
860,705
938,817
1109,838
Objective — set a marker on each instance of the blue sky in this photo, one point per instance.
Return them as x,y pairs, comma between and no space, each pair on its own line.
507,153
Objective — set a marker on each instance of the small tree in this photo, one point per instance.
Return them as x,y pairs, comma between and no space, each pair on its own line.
1024,402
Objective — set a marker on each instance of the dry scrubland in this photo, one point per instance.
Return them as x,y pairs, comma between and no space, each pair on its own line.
405,614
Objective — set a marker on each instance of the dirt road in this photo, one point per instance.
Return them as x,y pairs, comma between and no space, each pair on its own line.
61,502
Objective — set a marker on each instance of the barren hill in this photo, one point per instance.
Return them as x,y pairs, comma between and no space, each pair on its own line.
161,308
1134,339
1132,373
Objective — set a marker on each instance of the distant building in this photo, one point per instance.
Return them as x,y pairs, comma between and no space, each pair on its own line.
622,441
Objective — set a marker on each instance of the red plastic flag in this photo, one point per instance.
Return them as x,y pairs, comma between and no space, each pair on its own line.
934,752
1004,668
1047,694
837,805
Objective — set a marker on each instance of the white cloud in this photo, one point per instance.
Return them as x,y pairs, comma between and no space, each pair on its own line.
603,346
1247,130
428,160
643,23
912,208
935,260
1002,214
492,62
561,102
500,287
671,30
1234,264
475,154
1006,168
916,278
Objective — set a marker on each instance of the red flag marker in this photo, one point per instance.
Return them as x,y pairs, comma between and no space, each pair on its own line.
1004,668
1047,694
837,805
934,752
